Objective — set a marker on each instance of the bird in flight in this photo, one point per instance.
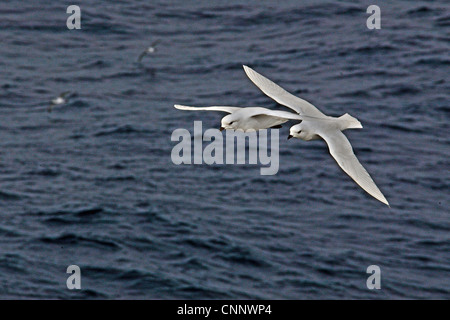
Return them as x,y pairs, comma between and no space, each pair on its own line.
248,118
320,126
151,49
61,99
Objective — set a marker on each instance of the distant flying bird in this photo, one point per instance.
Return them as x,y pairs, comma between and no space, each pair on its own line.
61,99
149,50
315,128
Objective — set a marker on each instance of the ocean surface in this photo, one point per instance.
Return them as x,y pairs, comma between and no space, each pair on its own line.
92,183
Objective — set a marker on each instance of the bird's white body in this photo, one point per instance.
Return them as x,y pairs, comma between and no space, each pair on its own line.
58,100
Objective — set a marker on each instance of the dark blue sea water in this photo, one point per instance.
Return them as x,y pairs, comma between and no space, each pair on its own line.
92,183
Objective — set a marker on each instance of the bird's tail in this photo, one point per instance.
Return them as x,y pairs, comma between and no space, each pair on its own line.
349,122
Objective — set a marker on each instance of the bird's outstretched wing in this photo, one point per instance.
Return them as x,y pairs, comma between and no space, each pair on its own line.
267,118
212,108
64,94
259,112
281,96
142,55
342,151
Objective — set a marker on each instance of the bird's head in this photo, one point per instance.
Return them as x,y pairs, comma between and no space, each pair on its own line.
295,131
229,122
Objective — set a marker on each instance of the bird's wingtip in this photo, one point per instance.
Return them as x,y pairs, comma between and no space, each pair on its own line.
385,202
181,107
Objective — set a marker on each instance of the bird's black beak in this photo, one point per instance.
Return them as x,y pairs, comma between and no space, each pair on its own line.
222,128
289,136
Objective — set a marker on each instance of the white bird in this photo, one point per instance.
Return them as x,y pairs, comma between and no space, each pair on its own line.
61,99
249,118
314,127
147,51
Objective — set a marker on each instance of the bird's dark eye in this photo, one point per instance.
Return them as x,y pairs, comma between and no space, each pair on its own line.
231,122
